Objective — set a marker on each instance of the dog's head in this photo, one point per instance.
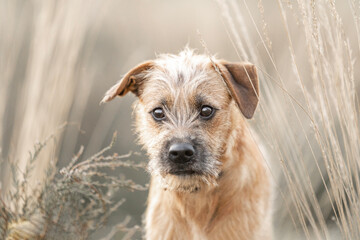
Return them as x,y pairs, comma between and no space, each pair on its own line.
185,112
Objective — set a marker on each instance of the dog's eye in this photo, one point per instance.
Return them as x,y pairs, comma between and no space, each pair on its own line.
158,114
206,112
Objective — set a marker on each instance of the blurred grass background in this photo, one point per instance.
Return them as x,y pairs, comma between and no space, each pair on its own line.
57,58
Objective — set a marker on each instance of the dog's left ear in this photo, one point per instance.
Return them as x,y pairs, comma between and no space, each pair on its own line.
243,84
130,82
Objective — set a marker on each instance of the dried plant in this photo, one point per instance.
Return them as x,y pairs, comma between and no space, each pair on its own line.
72,203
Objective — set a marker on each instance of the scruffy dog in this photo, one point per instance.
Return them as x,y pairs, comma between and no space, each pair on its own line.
209,180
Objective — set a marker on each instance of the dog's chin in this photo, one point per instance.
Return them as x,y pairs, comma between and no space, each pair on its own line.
186,181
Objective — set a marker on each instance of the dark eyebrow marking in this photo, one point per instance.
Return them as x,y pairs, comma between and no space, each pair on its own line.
180,76
199,100
164,102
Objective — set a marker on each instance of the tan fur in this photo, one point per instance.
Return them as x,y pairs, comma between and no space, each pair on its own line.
230,199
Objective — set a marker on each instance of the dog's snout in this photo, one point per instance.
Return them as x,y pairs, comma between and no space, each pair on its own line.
181,152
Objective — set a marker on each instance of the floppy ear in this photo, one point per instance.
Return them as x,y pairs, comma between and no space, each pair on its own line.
243,84
130,82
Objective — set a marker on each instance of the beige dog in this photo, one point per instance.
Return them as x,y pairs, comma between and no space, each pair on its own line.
209,180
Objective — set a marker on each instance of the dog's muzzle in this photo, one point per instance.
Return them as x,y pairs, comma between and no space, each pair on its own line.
181,156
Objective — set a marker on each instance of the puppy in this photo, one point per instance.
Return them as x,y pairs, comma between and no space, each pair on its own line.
208,178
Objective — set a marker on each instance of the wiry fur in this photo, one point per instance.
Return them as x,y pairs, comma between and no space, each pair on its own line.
176,80
229,197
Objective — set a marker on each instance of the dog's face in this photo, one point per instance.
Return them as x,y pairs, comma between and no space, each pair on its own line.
184,114
181,118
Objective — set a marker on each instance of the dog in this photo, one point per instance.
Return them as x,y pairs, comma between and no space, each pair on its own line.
208,177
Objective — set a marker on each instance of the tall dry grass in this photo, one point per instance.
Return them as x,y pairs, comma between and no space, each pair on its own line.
49,88
309,111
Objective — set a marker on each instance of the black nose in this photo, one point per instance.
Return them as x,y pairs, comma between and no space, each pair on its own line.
181,152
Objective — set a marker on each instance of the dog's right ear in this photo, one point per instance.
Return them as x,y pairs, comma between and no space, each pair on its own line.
130,82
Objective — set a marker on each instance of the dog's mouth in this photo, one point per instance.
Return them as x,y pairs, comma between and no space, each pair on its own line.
183,172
